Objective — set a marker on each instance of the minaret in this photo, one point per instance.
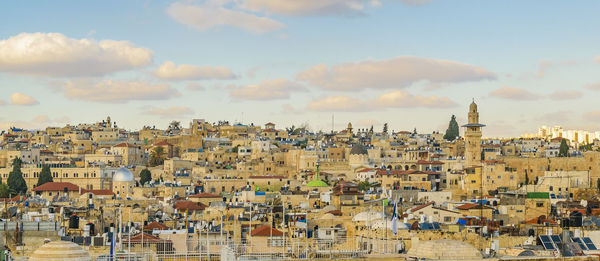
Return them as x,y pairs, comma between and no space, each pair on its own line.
473,138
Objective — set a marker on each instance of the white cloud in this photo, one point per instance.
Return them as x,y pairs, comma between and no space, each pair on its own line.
169,70
54,54
593,86
403,99
117,91
545,65
307,7
266,90
38,122
208,16
171,112
393,99
337,103
395,73
566,95
511,93
18,98
415,2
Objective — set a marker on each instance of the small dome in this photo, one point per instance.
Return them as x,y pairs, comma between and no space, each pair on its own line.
473,107
123,175
317,183
358,149
60,251
444,249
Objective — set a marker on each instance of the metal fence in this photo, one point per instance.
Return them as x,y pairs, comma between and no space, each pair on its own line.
31,226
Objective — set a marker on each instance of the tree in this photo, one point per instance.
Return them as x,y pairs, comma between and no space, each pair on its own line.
157,156
15,181
45,176
526,179
4,191
145,176
563,151
452,131
364,186
598,184
385,128
415,131
371,130
291,130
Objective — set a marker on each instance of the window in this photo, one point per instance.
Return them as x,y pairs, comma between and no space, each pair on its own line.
539,204
447,219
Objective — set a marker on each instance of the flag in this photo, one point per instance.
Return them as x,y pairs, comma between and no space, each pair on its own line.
395,220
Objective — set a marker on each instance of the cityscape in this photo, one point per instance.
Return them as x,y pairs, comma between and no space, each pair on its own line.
299,130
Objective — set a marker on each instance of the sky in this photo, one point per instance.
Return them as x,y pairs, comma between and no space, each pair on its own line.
408,63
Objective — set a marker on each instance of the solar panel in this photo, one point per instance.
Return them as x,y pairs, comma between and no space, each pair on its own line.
589,244
545,239
556,238
547,242
580,242
548,246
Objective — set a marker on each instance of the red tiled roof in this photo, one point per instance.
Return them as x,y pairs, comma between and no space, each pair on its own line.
155,226
471,206
147,239
417,208
189,205
101,192
163,143
265,231
336,212
205,195
13,199
57,186
266,177
542,218
124,144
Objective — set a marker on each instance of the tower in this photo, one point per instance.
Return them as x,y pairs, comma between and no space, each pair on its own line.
473,137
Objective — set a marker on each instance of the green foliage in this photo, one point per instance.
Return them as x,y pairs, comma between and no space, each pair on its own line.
45,176
598,184
364,186
415,131
4,191
371,129
145,176
452,131
385,128
526,179
15,181
564,149
157,156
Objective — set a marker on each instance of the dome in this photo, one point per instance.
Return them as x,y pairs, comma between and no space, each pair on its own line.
473,106
123,175
368,216
60,250
445,249
358,149
317,183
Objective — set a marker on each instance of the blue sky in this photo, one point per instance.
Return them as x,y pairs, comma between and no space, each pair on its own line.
410,63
